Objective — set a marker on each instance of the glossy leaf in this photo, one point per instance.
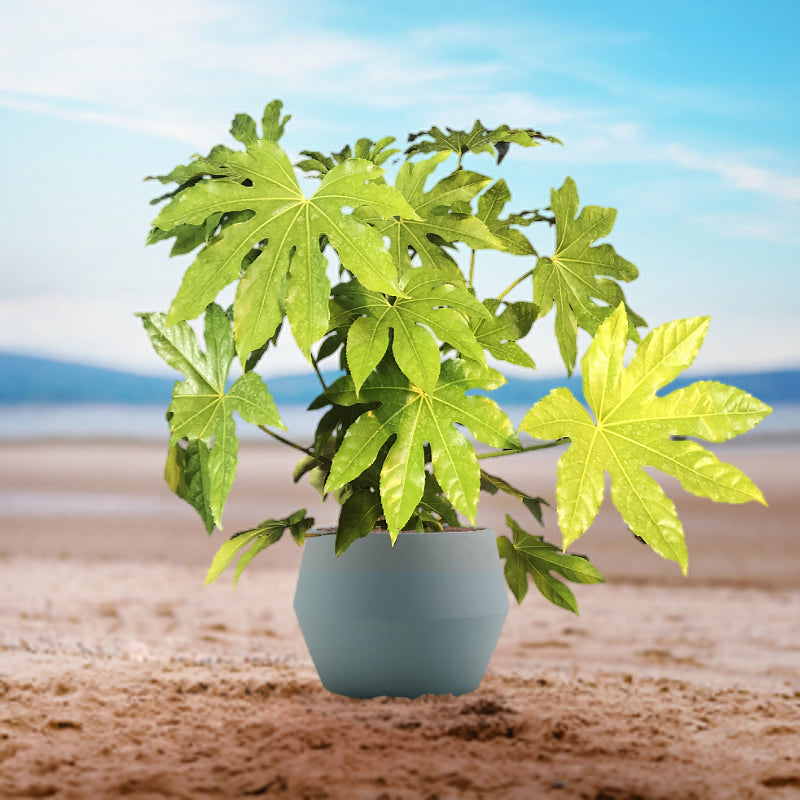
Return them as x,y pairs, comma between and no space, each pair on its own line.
436,225
531,555
498,333
186,474
261,537
360,512
202,409
435,509
292,261
490,206
571,279
188,174
428,309
479,140
633,429
415,417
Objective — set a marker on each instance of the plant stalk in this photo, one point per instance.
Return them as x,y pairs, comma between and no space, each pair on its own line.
528,449
319,374
307,450
516,283
471,283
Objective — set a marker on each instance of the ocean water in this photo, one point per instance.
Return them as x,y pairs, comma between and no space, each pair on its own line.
136,423
147,423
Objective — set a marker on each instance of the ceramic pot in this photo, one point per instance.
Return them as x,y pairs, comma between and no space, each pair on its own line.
422,617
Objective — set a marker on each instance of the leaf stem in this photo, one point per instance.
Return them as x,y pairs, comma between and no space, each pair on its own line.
319,374
498,453
307,450
472,270
514,285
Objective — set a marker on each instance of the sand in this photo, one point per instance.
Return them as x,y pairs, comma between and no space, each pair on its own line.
122,675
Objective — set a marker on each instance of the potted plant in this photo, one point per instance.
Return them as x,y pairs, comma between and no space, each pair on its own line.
404,596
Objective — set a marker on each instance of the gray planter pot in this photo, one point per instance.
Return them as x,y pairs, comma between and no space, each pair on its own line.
422,617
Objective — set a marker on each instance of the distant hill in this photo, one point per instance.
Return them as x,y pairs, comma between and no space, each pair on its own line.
30,380
26,380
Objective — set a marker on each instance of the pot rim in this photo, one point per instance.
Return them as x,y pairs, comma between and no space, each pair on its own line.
331,531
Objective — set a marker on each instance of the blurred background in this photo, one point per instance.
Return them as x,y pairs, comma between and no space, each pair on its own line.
683,116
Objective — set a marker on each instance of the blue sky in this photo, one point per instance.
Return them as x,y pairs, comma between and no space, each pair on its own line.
683,116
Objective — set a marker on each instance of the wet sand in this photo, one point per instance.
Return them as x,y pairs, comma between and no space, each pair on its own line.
122,675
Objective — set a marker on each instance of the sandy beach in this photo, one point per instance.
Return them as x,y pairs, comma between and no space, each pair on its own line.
122,675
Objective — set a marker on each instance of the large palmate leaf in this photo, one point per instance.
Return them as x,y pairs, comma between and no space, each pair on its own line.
427,304
415,417
243,129
479,140
490,206
436,224
202,409
498,333
292,261
531,555
569,279
633,429
260,537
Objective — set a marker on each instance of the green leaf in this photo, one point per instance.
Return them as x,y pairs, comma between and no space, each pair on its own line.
186,474
261,537
427,304
415,417
633,429
479,140
493,484
187,237
531,555
498,332
357,518
569,278
201,408
376,152
490,205
188,174
292,225
425,234
435,506
243,129
271,123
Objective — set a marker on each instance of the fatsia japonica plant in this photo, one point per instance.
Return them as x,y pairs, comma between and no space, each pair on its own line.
418,349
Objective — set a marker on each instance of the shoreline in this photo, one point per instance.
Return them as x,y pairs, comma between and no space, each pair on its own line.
105,500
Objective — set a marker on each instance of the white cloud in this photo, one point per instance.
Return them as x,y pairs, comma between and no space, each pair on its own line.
175,69
735,173
193,134
598,142
102,331
161,67
774,228
95,330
